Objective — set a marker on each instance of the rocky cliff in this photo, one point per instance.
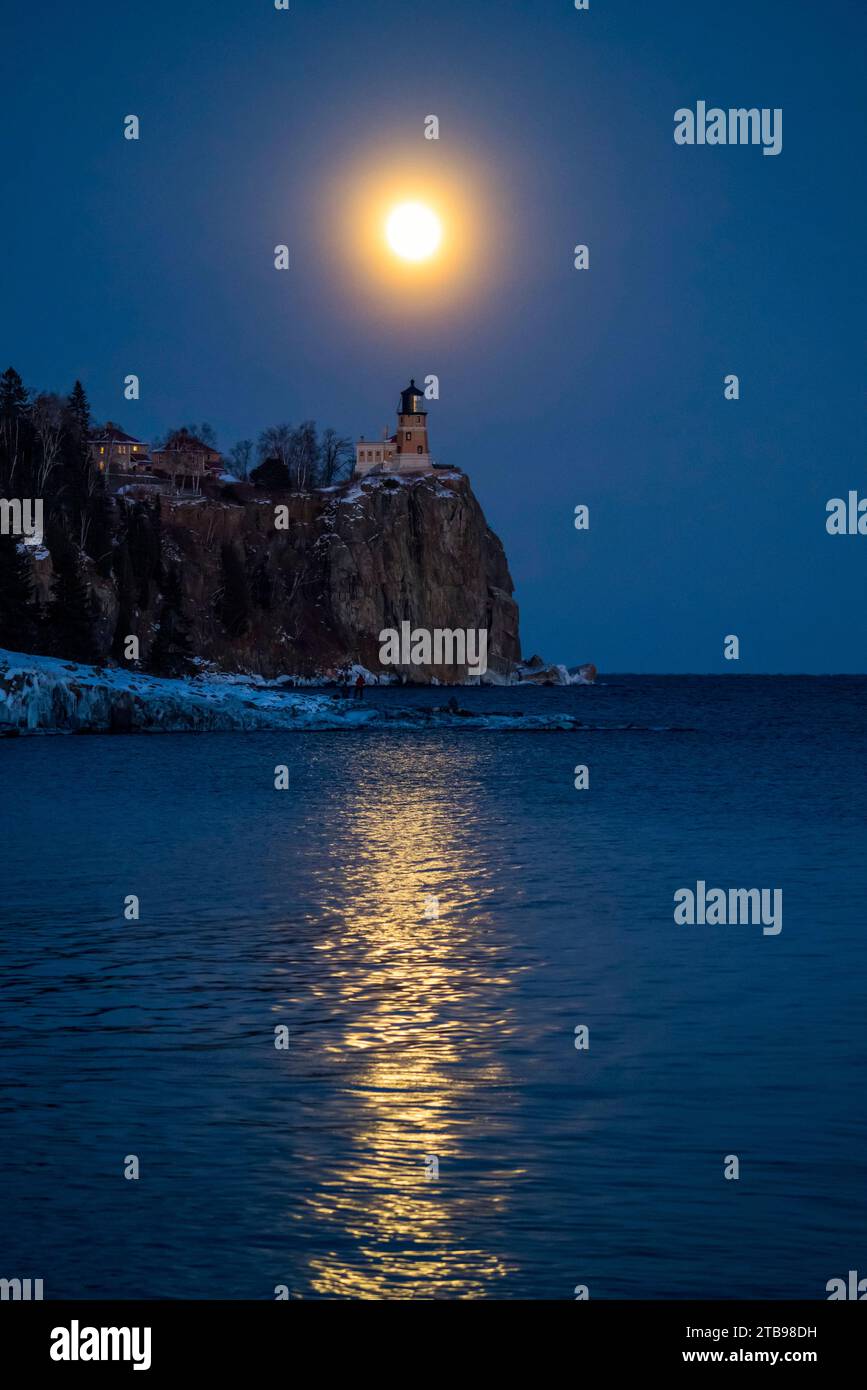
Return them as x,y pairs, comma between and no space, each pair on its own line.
304,597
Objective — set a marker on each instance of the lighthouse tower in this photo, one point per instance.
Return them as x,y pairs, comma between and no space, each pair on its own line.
406,451
411,445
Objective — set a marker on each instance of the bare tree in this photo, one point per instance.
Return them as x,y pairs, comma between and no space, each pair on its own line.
276,443
335,453
304,456
241,457
205,432
48,415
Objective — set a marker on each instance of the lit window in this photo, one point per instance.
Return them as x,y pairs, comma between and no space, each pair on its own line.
409,434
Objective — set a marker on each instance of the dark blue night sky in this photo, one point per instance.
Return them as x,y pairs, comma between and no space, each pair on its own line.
558,387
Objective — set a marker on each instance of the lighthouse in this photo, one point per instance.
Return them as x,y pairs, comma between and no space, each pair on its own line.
405,451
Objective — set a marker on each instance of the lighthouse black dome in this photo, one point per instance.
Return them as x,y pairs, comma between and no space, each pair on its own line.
412,399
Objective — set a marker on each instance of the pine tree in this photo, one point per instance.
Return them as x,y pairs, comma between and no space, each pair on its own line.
272,472
19,610
79,412
171,649
15,432
81,476
234,602
13,394
145,548
100,533
124,580
70,615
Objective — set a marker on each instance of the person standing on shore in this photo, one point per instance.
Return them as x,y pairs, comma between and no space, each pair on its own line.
359,686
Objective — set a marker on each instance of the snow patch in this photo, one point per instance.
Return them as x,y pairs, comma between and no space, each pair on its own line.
40,694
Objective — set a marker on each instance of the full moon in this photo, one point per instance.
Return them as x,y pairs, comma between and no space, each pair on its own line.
413,231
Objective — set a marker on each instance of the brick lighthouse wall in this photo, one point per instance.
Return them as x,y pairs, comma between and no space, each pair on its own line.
415,426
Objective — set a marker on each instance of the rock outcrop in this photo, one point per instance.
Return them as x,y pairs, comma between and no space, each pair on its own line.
313,594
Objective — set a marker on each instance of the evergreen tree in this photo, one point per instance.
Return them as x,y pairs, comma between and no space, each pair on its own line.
15,433
13,394
271,472
80,475
145,549
171,649
100,532
79,414
233,605
70,614
124,581
19,610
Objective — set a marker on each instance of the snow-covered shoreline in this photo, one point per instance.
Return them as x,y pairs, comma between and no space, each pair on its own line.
40,694
44,694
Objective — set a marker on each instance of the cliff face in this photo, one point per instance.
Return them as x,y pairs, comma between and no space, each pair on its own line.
349,563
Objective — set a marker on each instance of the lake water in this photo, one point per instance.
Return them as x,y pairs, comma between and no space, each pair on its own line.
411,1034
